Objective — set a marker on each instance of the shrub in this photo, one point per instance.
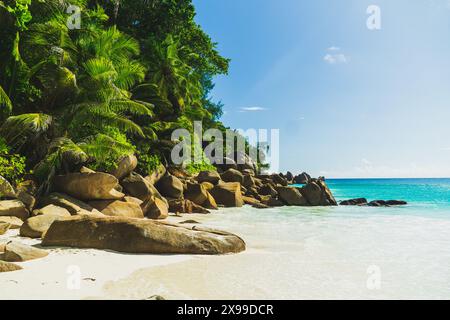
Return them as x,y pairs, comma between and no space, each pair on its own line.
12,166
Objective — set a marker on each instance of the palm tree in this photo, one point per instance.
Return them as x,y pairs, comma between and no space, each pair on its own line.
174,79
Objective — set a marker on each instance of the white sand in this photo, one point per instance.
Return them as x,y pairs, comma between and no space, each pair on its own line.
56,276
292,253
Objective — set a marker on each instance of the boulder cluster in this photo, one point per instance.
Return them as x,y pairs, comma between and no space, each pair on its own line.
123,210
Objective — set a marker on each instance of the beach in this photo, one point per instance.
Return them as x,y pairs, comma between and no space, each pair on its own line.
292,253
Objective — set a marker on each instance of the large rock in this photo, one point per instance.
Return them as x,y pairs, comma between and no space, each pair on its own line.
36,226
185,206
279,179
196,193
88,186
139,187
317,193
17,252
4,226
267,190
14,222
14,208
210,202
208,176
125,166
27,199
8,266
52,210
289,176
291,196
156,174
232,175
140,236
170,186
6,189
155,208
117,208
302,178
249,181
228,194
74,206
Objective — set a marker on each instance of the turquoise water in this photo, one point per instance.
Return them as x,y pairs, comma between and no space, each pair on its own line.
431,192
332,252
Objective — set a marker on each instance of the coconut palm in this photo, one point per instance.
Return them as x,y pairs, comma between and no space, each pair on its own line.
174,79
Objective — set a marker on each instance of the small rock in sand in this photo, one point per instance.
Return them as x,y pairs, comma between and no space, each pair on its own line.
18,252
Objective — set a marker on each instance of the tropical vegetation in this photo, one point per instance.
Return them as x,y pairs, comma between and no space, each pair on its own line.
116,81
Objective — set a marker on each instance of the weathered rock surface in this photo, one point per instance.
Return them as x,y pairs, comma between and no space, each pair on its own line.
291,196
133,200
185,206
18,252
125,166
278,179
14,208
4,226
36,226
210,202
27,199
228,194
6,189
354,202
140,236
232,175
118,208
196,193
88,186
208,176
9,267
317,193
302,178
74,206
156,175
137,186
52,210
383,203
170,186
15,223
267,190
155,208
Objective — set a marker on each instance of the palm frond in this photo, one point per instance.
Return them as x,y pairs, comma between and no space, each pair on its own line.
5,102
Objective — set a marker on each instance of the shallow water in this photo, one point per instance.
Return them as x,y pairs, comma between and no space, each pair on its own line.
321,253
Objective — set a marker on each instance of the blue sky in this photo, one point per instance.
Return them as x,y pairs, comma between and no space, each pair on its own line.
348,101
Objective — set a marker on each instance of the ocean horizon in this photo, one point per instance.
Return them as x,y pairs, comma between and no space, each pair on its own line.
323,252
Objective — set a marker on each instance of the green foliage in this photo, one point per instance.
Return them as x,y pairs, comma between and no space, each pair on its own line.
12,166
134,72
147,163
21,12
105,151
194,168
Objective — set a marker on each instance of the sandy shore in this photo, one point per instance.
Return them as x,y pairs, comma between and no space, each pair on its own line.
292,253
73,273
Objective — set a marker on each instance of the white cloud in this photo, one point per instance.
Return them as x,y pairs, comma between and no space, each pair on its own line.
335,56
252,109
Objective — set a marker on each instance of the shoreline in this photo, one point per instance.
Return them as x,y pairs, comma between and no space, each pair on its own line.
56,276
